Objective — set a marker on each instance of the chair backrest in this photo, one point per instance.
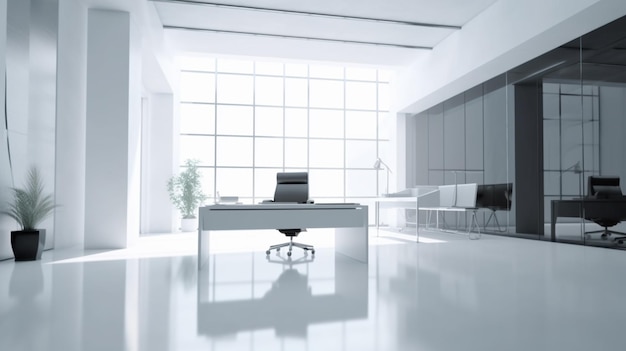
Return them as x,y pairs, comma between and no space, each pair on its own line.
603,187
292,187
466,195
447,195
495,196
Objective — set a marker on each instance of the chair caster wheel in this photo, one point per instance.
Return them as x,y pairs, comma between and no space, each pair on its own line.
289,253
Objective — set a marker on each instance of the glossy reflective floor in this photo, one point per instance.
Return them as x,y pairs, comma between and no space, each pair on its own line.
446,293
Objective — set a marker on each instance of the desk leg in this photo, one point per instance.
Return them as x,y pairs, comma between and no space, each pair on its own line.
553,223
352,242
203,248
377,209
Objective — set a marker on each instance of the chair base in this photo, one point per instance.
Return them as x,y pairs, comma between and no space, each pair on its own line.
291,244
606,233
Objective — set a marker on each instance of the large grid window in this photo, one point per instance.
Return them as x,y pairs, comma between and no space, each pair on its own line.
247,120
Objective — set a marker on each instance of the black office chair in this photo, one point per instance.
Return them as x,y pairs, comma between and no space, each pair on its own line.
495,197
605,187
292,187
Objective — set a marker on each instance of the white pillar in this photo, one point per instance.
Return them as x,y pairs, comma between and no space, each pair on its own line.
158,126
112,130
69,220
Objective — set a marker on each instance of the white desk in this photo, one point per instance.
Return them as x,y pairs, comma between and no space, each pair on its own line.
349,220
414,199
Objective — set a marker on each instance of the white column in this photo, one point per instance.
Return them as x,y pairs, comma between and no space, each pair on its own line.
112,130
69,218
158,126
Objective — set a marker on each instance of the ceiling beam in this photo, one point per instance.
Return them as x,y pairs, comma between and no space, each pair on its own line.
343,41
403,46
311,14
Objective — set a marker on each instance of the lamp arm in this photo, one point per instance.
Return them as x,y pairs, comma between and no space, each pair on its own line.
384,164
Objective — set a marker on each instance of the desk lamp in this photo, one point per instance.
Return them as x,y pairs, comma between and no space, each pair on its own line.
378,166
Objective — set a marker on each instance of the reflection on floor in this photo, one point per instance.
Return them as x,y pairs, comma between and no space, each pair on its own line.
445,293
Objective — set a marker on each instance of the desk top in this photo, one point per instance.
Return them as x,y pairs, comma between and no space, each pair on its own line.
285,206
591,199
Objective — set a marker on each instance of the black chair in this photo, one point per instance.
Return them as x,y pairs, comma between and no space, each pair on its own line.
604,187
495,197
292,187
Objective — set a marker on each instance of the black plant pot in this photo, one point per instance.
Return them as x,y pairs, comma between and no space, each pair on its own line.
28,244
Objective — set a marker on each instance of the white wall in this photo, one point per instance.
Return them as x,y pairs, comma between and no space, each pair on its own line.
506,35
157,162
6,225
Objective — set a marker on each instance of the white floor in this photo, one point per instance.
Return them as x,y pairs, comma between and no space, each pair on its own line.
445,293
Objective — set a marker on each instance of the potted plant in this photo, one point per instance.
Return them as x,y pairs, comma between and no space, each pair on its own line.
186,194
29,207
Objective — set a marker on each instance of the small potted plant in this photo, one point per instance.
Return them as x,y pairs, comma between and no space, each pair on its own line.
29,207
185,191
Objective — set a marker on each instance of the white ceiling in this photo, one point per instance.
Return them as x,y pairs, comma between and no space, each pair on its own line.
370,32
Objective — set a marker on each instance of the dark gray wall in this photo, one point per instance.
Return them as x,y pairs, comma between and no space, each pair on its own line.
465,139
529,159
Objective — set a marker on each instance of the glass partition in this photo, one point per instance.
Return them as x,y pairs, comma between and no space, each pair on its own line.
549,127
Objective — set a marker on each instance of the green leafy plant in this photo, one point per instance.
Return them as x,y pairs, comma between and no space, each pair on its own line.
30,205
186,190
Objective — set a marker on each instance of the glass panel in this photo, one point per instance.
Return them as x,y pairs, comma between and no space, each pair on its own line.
296,152
296,122
384,126
326,124
360,154
326,153
269,91
324,71
199,147
234,89
196,63
234,120
571,148
207,179
269,68
268,121
235,66
296,70
268,152
551,108
326,93
552,183
197,87
361,96
361,182
197,118
234,182
383,97
551,145
360,73
296,92
325,183
265,182
571,107
360,125
234,151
